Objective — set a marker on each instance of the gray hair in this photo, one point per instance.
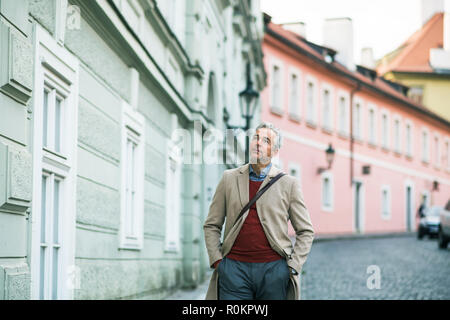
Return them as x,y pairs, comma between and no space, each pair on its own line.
268,125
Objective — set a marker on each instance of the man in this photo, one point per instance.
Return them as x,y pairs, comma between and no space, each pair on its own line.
257,259
421,210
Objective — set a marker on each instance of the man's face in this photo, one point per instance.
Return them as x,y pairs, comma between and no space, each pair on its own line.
261,146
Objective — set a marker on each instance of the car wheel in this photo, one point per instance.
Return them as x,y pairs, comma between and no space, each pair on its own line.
442,241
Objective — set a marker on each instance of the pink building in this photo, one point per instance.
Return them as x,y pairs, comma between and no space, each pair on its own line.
399,152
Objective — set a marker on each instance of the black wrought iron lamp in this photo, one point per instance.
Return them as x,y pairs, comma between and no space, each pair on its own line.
329,153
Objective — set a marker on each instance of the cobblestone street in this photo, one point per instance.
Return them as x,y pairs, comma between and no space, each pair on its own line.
409,269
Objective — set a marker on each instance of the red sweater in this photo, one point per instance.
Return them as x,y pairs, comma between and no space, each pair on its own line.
251,244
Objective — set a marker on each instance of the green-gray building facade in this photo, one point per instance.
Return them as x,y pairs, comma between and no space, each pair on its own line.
99,198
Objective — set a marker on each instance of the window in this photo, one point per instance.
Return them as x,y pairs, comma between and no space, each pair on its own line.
397,135
276,89
343,113
357,119
447,155
132,179
437,152
54,168
295,171
53,116
327,191
385,130
408,138
425,146
51,204
173,190
327,107
311,88
294,95
416,94
372,125
386,202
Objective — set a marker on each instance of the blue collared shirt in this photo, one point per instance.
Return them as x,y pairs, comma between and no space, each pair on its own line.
255,177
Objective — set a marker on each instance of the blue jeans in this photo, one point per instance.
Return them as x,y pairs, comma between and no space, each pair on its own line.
253,280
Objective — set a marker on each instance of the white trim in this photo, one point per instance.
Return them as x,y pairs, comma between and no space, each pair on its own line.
327,87
311,119
385,144
362,204
412,226
409,153
295,113
447,153
425,154
366,159
276,106
60,20
345,132
358,101
172,197
327,175
374,108
386,187
396,149
132,128
53,59
437,153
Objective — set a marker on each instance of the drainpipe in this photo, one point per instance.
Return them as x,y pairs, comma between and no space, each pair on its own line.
352,93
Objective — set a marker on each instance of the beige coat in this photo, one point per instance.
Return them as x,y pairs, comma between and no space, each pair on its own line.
282,202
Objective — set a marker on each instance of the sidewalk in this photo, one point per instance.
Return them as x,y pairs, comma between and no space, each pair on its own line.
198,293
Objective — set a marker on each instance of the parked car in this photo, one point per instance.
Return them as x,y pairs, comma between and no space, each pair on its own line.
429,223
444,227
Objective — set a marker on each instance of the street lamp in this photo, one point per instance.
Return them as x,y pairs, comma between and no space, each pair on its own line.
248,99
330,157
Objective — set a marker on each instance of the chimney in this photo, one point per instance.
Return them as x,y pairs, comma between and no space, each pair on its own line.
367,59
440,57
430,7
338,35
298,28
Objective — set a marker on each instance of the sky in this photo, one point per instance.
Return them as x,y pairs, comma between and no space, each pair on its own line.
382,25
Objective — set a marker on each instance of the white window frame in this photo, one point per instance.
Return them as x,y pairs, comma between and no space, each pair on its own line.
295,111
298,169
133,129
327,87
327,175
397,141
55,64
409,141
276,106
425,152
385,130
437,153
173,196
311,118
387,188
372,131
447,153
358,101
344,132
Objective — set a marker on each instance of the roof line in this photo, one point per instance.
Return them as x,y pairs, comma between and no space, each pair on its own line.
353,78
